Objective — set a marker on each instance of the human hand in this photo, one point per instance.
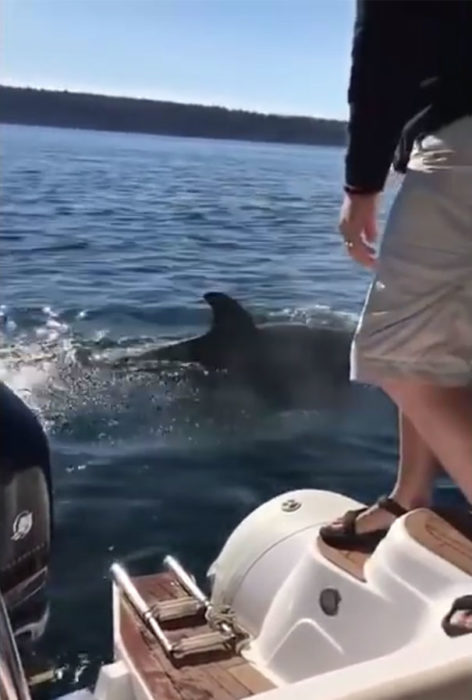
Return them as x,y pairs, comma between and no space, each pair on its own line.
358,227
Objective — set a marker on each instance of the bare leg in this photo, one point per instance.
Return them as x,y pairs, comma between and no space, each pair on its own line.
417,469
443,417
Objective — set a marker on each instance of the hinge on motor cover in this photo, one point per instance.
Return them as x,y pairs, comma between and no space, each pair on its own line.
223,634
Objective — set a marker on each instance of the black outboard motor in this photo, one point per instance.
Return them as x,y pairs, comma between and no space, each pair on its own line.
25,516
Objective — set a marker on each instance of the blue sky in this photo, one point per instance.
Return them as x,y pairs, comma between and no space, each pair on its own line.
285,56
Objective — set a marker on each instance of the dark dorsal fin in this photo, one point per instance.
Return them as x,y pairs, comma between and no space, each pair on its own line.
228,315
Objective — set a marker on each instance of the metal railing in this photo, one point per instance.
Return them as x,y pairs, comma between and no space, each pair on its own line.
196,601
13,685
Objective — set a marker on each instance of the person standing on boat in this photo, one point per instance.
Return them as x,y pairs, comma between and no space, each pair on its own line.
410,99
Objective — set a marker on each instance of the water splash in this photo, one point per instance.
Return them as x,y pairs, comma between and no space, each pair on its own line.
73,381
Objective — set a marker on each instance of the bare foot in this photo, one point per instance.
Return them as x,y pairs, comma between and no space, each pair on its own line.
462,620
377,518
458,621
374,518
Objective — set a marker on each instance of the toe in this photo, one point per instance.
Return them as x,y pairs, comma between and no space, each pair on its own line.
462,619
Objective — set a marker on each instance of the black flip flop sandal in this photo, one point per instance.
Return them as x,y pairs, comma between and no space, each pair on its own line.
453,629
344,536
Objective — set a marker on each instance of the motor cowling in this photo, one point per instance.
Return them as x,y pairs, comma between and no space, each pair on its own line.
264,548
25,515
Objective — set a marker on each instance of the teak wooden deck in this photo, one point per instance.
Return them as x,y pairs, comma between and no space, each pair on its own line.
350,561
443,538
217,675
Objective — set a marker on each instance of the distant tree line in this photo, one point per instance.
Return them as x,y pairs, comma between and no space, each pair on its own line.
100,112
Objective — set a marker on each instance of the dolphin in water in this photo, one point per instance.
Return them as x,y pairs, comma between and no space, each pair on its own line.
288,364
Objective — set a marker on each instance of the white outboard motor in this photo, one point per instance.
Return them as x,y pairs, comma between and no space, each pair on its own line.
25,516
262,551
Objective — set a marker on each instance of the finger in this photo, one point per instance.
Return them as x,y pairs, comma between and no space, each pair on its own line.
361,253
356,244
370,231
349,229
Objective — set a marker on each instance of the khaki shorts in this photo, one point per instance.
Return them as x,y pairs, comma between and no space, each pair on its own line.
417,318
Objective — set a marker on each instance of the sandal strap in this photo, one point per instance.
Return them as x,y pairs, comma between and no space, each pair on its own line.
349,518
462,603
391,506
349,521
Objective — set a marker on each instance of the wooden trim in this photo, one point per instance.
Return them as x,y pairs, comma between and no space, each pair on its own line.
441,537
350,561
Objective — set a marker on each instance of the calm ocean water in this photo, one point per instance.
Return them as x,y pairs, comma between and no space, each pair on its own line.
109,242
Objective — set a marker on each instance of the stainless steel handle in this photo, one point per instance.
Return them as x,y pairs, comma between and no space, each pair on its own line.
187,581
13,685
187,645
125,585
191,587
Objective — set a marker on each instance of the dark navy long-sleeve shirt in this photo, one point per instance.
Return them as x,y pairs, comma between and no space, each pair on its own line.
411,73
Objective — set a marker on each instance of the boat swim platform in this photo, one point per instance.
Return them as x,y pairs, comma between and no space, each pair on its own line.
211,675
426,557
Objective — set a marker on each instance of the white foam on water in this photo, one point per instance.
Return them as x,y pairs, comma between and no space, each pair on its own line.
316,314
28,362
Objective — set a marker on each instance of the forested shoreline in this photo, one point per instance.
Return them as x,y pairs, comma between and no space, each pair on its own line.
104,113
